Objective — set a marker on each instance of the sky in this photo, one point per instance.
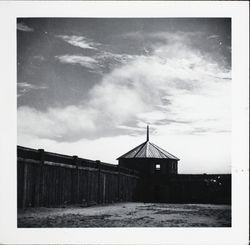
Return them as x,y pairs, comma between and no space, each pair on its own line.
89,87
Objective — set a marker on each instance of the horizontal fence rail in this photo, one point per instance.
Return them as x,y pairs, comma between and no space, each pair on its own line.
50,179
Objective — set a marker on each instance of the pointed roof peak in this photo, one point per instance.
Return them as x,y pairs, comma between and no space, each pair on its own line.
148,150
147,133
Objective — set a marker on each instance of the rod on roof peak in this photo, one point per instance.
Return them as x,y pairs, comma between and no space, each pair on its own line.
147,133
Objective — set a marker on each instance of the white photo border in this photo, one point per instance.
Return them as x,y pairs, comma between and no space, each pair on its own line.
237,234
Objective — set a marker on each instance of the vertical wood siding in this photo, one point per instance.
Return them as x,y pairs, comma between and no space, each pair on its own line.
49,179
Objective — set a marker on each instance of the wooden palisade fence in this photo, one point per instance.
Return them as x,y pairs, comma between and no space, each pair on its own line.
50,179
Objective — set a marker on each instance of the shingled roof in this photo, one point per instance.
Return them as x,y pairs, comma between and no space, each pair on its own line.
148,150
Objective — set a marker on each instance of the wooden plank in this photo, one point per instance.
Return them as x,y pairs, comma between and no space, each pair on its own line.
98,182
19,185
46,187
119,180
42,159
38,180
56,185
88,184
24,185
104,188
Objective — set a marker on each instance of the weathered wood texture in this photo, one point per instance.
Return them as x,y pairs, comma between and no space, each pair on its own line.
49,179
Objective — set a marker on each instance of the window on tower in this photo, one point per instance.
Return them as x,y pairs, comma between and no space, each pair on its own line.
157,166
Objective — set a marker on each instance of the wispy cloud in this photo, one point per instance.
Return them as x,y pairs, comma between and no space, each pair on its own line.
84,61
80,41
213,37
39,58
108,58
24,87
101,62
24,27
162,37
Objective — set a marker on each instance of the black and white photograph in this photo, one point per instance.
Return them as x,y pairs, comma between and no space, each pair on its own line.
124,122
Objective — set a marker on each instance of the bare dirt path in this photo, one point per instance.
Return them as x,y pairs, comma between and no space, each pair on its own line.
128,215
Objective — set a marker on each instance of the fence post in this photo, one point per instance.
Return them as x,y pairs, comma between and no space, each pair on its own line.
39,180
99,181
77,191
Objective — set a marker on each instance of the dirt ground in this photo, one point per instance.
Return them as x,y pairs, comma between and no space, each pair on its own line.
128,215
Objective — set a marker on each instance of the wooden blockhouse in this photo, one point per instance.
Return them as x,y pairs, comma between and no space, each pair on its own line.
150,159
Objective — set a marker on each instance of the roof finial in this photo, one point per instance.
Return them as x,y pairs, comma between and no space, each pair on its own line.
147,133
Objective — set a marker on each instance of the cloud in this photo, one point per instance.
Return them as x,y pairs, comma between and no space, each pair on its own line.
178,36
79,41
24,27
55,123
24,87
84,61
175,85
39,58
101,62
198,40
163,37
105,57
156,78
213,37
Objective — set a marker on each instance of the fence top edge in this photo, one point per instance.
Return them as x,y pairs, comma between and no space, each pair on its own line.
104,164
